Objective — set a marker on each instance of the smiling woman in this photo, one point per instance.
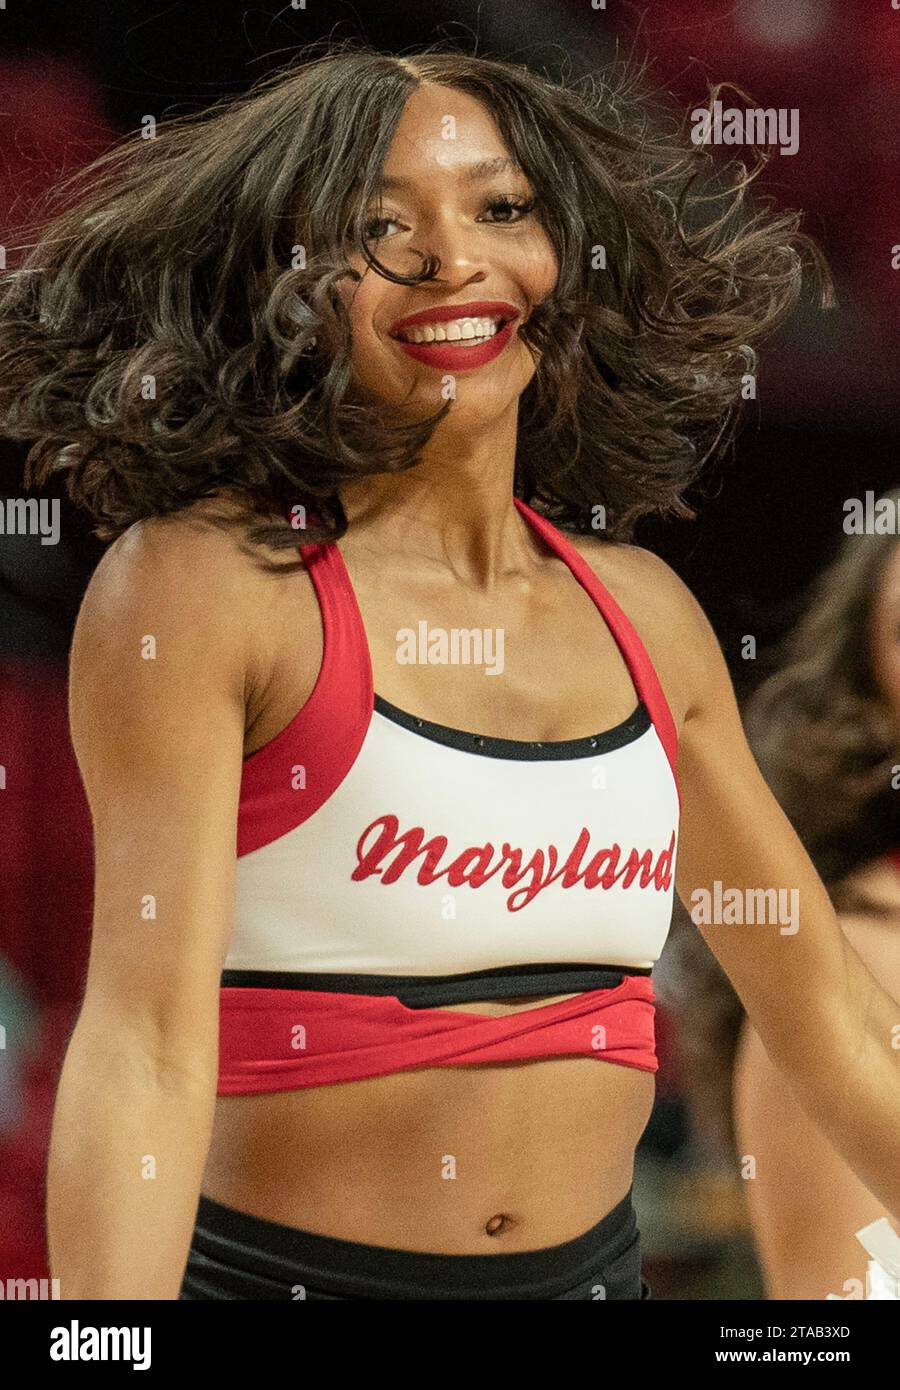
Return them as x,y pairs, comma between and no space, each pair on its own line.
372,939
462,198
630,282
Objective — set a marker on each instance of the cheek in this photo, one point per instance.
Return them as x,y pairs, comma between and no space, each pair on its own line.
549,270
542,279
362,301
357,296
539,269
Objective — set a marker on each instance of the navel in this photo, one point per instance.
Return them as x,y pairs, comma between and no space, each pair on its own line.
499,1225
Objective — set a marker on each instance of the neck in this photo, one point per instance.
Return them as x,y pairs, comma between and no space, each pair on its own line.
455,507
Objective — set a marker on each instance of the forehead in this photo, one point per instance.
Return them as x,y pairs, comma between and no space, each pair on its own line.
445,132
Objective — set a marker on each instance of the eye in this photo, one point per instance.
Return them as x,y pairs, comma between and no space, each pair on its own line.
510,209
377,227
504,211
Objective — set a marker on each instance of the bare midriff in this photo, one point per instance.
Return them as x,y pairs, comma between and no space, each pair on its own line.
475,1159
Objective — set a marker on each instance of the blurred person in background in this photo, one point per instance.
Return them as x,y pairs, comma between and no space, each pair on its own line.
825,730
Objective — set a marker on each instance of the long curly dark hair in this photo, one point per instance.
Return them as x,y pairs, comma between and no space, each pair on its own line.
828,745
820,727
175,329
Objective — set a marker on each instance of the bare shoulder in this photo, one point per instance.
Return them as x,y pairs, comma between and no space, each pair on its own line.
185,597
177,573
644,585
671,623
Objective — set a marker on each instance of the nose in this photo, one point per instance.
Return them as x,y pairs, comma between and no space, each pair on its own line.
456,245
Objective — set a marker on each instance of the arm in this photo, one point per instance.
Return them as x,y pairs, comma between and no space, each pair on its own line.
821,1016
159,744
805,1203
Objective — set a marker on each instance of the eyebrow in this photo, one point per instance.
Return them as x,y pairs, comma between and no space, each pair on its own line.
483,169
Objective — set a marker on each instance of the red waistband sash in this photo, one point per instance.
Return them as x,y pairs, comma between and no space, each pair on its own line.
284,1039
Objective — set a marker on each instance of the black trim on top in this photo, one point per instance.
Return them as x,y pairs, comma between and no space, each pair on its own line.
430,991
637,723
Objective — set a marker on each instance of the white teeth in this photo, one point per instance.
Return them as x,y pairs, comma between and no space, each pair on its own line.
469,331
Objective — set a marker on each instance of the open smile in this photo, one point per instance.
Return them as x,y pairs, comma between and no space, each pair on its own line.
457,337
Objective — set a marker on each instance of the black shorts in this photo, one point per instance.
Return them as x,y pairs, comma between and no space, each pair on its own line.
234,1255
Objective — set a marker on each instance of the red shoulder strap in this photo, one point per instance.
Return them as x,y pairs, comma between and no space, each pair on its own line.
632,648
289,778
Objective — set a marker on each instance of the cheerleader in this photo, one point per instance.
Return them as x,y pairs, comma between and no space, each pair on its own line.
386,359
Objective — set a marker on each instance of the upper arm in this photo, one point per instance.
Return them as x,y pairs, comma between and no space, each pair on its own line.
743,872
157,676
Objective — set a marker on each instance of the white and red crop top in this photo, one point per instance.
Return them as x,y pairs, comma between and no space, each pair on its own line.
388,866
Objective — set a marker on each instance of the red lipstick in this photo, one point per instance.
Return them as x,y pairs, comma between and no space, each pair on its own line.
455,356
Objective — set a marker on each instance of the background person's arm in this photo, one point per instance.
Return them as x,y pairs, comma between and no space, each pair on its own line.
159,742
805,1202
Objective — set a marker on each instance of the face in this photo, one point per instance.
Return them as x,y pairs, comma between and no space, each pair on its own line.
455,337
